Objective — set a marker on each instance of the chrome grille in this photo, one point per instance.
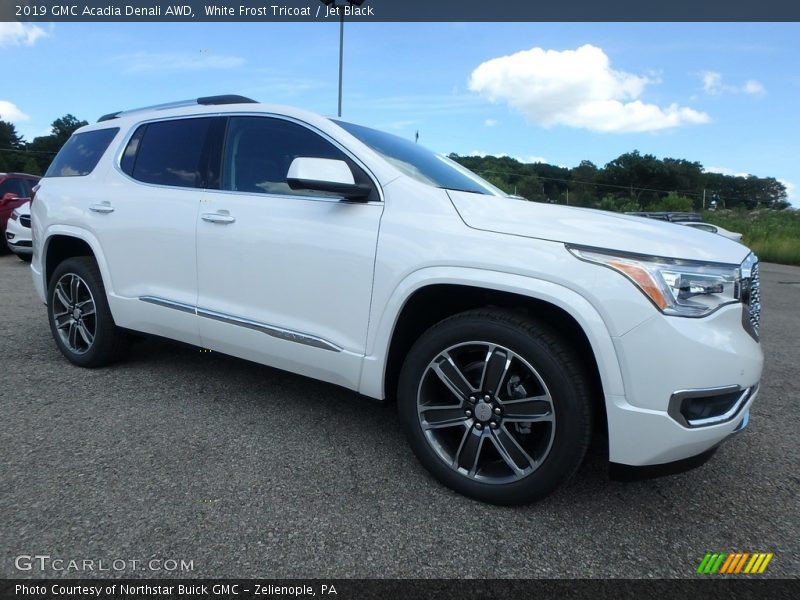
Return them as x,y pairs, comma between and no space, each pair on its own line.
750,295
754,306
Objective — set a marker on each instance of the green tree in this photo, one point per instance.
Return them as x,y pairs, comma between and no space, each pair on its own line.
12,146
619,204
673,202
44,148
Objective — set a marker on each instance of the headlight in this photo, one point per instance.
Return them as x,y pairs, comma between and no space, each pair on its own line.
14,215
681,288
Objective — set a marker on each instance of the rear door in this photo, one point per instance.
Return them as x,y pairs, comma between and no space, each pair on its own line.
284,276
147,224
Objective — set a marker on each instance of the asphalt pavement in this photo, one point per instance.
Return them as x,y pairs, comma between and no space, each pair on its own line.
240,470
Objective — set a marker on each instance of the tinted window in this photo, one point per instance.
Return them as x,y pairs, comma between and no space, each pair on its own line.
81,153
169,153
420,163
15,186
259,150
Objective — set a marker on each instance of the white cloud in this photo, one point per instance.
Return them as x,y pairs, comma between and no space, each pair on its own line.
791,193
725,171
147,62
20,34
577,88
490,122
11,112
714,85
751,86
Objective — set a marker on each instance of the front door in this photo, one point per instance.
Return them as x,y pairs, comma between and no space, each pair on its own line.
284,276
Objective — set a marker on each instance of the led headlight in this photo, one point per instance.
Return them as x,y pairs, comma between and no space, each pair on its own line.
677,287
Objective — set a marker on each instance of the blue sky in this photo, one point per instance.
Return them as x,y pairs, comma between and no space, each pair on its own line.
726,95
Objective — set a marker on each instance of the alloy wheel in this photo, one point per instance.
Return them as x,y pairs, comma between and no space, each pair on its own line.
74,313
486,412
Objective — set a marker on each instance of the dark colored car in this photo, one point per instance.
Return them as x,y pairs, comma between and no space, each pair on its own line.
15,190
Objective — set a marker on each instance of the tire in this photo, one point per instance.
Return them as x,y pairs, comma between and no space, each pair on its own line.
532,433
86,336
25,257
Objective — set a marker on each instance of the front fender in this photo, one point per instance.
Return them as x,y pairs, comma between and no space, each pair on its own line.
372,382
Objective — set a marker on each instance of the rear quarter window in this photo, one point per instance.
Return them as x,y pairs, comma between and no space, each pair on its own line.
175,153
80,155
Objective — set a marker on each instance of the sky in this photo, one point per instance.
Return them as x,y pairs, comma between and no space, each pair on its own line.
725,95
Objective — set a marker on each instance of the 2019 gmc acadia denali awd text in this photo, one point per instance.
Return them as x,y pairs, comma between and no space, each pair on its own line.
508,331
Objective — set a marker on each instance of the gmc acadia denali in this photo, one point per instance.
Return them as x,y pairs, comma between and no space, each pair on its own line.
509,332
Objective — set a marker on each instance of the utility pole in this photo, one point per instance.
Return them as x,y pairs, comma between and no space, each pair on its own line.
341,55
340,8
704,198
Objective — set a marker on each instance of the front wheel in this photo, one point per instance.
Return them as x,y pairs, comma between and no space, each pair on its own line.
80,319
496,406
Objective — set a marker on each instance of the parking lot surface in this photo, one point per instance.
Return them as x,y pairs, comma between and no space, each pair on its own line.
246,471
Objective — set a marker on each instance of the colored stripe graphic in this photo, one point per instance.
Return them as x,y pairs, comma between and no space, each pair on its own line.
734,562
764,564
729,562
704,562
741,562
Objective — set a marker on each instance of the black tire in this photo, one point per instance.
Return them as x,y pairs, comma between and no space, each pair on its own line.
25,257
538,357
108,342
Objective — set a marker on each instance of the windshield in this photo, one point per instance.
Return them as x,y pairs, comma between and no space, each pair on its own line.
420,163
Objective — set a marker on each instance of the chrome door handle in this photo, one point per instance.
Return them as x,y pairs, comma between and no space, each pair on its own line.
218,217
103,207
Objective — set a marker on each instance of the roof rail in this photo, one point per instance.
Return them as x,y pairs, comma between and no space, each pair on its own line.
204,101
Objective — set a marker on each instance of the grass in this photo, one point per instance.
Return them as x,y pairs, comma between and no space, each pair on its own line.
774,235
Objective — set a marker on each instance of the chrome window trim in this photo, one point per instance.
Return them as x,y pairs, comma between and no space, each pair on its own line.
281,333
117,157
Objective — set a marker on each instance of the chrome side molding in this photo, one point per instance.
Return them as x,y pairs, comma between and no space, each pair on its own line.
169,304
271,330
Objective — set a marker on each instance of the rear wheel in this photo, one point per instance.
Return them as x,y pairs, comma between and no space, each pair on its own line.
80,319
495,406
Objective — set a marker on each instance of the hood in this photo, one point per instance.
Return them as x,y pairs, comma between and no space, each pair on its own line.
596,228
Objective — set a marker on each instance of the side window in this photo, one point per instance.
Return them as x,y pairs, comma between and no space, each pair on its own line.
15,186
259,150
174,153
80,155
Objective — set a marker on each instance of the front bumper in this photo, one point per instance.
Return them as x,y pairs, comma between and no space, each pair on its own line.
666,360
18,238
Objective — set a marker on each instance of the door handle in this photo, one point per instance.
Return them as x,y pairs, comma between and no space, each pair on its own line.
218,217
103,208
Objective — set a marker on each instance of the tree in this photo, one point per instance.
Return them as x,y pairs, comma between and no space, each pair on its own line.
9,138
65,127
44,148
673,202
12,146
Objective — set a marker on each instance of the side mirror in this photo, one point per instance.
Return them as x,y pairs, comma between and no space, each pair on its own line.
8,197
326,175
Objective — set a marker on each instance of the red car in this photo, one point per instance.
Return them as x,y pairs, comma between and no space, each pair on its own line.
15,190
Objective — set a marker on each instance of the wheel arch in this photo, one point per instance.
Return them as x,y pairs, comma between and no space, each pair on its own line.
66,242
427,297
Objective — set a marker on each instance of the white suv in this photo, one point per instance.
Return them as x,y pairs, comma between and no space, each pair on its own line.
508,332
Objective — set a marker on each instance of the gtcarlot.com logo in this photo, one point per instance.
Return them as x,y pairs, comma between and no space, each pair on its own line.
45,562
734,563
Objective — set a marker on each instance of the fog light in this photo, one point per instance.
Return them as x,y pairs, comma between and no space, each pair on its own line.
712,406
